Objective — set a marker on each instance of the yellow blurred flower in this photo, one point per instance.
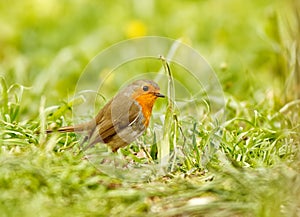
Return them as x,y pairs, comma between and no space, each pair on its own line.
136,28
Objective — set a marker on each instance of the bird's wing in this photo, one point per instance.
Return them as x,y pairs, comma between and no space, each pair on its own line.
114,117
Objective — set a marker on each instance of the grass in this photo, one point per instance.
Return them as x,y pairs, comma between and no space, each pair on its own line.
246,165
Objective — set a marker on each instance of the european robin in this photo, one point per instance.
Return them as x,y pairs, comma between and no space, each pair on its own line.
123,119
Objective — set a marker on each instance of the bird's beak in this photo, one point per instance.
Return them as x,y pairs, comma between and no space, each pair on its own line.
159,95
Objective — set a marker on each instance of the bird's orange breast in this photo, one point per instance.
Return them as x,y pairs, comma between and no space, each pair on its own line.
146,101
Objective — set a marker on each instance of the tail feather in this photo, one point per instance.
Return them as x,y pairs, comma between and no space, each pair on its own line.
76,128
66,129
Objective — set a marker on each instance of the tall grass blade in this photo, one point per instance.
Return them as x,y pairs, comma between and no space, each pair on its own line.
164,147
4,96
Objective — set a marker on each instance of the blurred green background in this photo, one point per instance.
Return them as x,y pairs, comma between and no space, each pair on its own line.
252,45
45,45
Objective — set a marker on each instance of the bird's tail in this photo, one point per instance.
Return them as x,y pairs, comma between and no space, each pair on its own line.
76,128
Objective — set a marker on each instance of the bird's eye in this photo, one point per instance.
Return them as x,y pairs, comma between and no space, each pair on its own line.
145,88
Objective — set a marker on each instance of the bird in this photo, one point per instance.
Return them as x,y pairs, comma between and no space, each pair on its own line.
121,120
